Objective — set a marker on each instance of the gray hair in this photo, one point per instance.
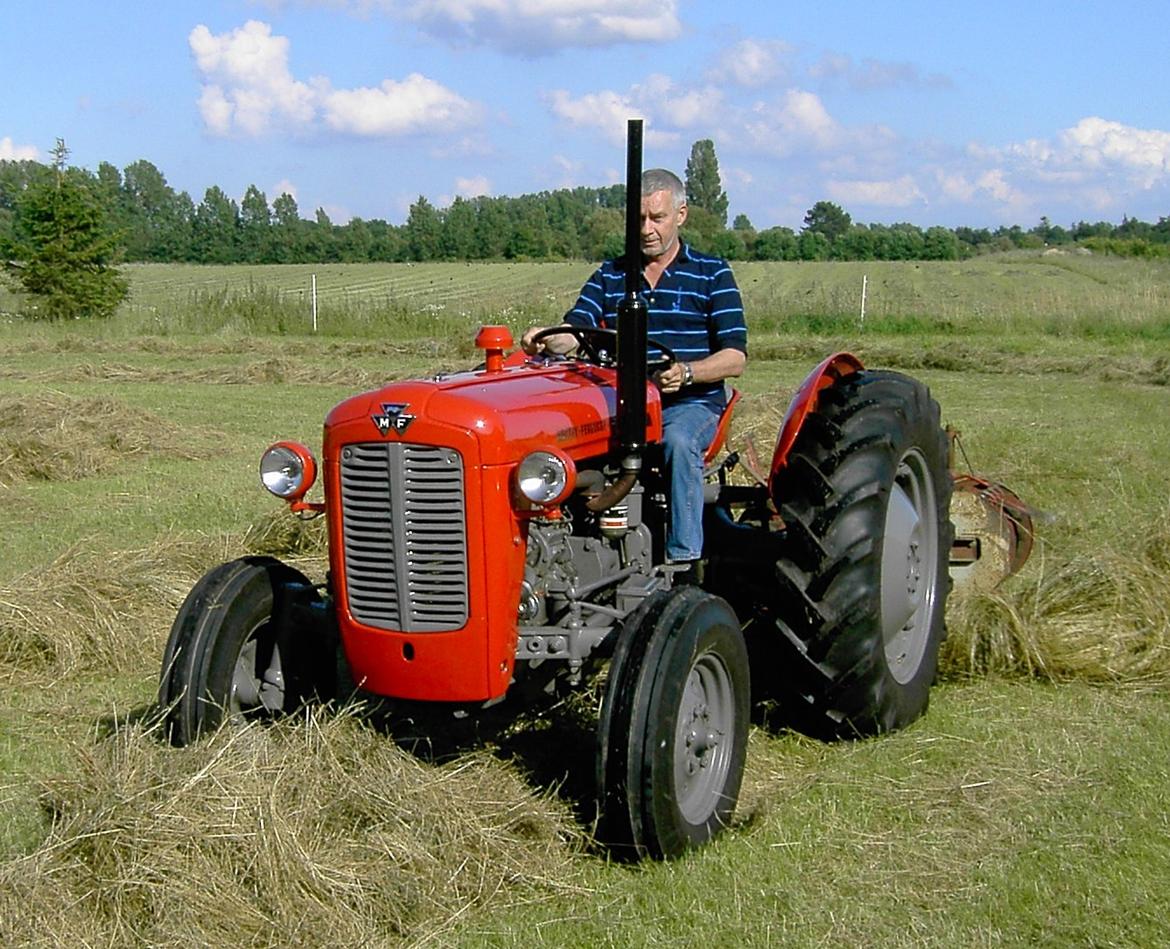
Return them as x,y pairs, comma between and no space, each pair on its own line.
659,179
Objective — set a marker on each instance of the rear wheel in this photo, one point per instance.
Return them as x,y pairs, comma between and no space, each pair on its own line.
673,734
231,654
862,570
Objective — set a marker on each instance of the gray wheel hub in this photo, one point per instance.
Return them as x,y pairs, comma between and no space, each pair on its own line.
909,566
702,746
253,687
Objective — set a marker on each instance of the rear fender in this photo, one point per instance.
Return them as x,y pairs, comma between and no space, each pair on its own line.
720,436
826,374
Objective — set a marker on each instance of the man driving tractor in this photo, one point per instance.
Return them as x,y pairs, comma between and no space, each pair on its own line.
694,308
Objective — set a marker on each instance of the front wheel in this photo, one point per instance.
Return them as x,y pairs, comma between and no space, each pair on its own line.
231,654
673,735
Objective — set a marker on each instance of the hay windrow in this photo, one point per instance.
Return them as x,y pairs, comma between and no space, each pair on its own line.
92,610
753,432
86,611
282,534
57,438
1102,618
275,370
202,345
317,831
320,362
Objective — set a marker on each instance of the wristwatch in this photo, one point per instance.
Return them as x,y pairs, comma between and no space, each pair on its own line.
688,375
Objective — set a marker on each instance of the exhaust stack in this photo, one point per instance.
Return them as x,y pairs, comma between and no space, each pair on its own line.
631,337
632,311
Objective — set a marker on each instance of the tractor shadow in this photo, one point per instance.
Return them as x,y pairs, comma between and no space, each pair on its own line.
552,747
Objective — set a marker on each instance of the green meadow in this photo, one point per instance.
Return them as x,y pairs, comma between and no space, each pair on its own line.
1028,807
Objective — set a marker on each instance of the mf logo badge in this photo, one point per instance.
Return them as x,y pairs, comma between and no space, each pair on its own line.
393,417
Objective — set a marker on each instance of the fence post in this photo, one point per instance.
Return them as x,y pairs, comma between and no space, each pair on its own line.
313,296
864,286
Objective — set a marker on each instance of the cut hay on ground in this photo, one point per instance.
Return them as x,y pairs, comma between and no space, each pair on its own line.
90,611
284,535
272,371
57,438
1098,619
316,832
752,435
109,611
189,348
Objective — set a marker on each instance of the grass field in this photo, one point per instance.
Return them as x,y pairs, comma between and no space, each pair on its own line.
1026,808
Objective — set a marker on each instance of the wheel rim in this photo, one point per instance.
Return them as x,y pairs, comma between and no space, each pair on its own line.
702,741
258,676
909,566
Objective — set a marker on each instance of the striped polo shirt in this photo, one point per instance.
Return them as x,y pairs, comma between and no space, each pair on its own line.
695,310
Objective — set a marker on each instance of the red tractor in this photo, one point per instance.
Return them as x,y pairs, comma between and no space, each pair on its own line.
503,528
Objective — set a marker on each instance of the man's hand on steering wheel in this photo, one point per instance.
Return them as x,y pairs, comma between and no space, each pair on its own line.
553,340
673,377
593,344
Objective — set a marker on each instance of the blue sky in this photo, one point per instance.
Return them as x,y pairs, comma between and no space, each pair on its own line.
936,113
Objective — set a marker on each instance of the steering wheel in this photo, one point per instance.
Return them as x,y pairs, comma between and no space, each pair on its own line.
599,346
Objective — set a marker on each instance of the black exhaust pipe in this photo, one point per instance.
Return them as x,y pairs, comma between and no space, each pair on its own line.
631,337
632,312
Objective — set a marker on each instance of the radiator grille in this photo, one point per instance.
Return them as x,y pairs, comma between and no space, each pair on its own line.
404,535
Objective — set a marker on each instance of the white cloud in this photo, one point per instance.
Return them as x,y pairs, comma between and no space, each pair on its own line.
741,176
337,213
753,63
9,151
249,90
897,193
1095,143
1093,148
799,121
994,183
569,172
284,186
473,187
955,186
665,107
535,27
804,114
249,86
416,104
567,165
605,111
874,73
693,108
1096,164
216,110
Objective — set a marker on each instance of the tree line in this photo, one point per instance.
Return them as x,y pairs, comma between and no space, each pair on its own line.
133,214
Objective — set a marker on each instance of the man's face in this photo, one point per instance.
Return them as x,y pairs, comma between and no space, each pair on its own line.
660,223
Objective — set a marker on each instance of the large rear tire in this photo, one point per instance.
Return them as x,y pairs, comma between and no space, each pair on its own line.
863,566
673,733
231,654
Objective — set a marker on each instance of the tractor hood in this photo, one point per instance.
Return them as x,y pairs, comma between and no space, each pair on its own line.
508,412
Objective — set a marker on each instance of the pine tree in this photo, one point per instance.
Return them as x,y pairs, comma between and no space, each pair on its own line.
704,189
62,250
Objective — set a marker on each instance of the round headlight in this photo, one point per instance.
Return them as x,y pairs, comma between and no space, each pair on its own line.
288,470
543,478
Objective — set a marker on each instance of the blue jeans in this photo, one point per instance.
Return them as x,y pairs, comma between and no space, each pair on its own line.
687,430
